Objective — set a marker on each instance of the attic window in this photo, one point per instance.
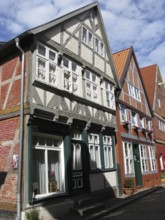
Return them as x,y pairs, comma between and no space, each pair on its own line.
134,92
87,37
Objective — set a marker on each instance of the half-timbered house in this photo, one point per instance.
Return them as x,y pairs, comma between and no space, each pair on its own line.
135,153
58,139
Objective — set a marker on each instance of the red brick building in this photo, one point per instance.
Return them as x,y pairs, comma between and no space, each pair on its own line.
136,156
154,85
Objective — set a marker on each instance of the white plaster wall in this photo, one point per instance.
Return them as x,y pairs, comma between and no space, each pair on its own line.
40,93
110,179
109,70
71,25
72,45
99,62
86,54
54,34
87,22
102,181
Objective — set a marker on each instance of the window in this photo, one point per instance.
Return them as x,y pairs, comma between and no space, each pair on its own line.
159,103
142,122
46,64
149,125
110,98
144,158
134,92
108,152
71,76
123,114
92,82
99,47
128,158
152,158
134,119
48,174
77,161
94,151
87,37
161,162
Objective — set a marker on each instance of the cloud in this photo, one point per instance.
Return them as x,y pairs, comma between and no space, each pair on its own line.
128,23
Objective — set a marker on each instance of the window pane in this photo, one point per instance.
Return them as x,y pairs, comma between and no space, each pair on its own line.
41,50
54,171
52,55
65,62
39,175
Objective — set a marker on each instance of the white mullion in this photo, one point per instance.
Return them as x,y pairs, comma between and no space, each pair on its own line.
46,170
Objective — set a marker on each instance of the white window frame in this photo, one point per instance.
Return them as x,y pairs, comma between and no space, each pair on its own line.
134,119
45,148
142,122
159,103
47,74
108,152
91,86
152,156
123,114
94,151
109,95
71,76
144,159
128,158
134,92
99,46
87,37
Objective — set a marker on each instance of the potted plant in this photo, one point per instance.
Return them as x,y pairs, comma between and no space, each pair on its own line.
32,214
129,186
162,178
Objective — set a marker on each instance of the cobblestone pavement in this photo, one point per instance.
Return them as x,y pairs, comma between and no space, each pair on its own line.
150,207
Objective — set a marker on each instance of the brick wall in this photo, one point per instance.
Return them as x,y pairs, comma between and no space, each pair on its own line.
9,145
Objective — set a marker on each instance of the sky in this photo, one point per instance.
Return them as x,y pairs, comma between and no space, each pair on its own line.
137,23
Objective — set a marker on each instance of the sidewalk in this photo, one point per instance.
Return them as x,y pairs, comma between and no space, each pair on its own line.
114,204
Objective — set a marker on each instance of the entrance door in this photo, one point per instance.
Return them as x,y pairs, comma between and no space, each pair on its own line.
137,166
77,168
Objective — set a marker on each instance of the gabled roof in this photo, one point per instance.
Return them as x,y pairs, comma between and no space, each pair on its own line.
120,59
28,34
148,75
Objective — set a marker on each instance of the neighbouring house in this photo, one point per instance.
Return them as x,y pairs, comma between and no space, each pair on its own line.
135,149
62,129
154,85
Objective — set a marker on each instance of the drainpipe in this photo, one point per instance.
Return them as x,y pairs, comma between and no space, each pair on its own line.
18,217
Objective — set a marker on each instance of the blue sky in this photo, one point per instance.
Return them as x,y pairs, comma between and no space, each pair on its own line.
137,23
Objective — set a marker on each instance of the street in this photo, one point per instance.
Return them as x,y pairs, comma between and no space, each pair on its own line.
151,207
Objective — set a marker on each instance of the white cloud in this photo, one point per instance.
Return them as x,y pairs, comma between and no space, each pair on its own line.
128,23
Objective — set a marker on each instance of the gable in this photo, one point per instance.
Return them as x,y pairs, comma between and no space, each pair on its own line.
132,91
82,37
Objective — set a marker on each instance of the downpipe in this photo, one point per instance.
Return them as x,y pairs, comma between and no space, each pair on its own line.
18,217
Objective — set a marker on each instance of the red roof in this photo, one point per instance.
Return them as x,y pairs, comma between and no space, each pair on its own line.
148,75
120,59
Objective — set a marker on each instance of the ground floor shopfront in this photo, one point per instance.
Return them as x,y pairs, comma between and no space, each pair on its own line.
62,161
